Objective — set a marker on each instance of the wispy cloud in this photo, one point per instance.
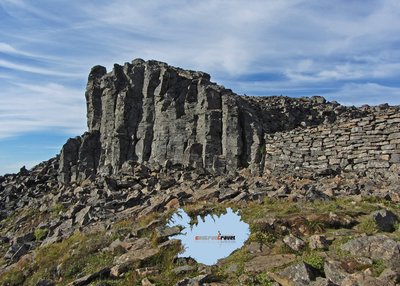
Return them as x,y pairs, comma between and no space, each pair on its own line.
348,51
366,93
33,69
29,107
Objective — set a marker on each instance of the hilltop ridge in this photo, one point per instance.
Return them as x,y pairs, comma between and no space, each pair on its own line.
150,112
317,182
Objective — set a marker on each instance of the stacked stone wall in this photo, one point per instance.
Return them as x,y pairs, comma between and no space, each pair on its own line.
368,145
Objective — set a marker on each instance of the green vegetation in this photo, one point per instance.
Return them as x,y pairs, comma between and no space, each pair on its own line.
57,209
314,259
368,226
41,233
86,253
377,267
262,279
14,277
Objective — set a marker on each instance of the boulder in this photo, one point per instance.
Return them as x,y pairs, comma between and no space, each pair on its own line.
294,243
385,220
334,271
86,280
375,247
183,269
300,274
195,281
45,282
163,232
265,263
146,282
318,242
82,217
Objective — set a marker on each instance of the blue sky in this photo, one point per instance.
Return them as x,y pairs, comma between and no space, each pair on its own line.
347,51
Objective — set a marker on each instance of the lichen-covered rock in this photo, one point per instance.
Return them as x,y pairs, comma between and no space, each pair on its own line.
375,247
294,243
299,274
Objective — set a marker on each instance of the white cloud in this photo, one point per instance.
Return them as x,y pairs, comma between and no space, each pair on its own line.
368,93
33,69
39,107
315,46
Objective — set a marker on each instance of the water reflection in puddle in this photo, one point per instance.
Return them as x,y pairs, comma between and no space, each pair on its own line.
213,237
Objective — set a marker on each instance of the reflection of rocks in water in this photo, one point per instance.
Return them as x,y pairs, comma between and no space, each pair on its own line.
211,237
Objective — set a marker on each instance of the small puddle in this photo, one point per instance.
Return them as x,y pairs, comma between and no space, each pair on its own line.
211,237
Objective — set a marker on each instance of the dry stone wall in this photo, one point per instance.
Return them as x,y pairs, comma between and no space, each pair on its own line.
368,145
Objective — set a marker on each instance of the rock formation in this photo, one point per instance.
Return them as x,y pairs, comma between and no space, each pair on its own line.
150,112
303,171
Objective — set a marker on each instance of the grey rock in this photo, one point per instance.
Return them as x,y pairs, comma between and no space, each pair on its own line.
195,281
318,242
147,271
294,243
165,183
146,282
266,263
16,251
300,274
375,247
86,280
323,282
183,269
385,220
28,237
45,282
82,217
334,271
165,231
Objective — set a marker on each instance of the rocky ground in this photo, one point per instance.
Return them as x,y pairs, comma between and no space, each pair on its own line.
317,229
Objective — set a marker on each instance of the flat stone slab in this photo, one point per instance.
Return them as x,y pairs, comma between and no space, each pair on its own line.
265,263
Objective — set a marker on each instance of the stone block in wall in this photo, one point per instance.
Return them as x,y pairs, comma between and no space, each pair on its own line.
356,129
378,164
381,143
367,148
394,120
360,166
363,158
395,158
382,157
334,161
389,147
297,139
319,166
343,138
381,126
363,123
375,132
395,141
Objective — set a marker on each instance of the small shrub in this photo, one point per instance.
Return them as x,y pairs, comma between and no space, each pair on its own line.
12,278
315,260
368,226
262,279
315,226
377,267
41,233
57,208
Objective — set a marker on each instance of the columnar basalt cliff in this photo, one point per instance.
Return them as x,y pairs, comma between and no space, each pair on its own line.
151,113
